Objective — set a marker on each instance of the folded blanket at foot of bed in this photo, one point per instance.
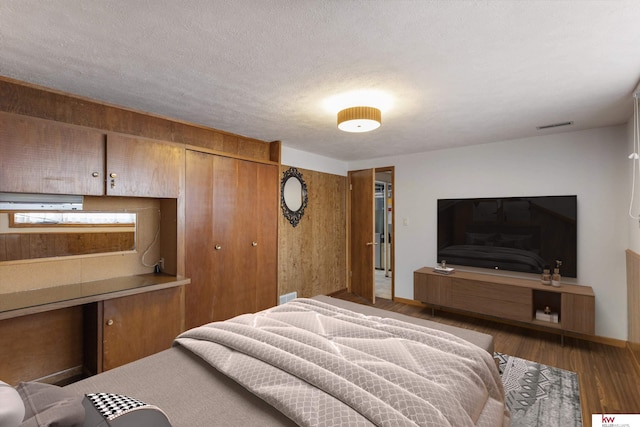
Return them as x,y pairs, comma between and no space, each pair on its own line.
323,365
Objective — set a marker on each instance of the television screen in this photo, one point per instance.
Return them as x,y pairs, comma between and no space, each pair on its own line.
522,234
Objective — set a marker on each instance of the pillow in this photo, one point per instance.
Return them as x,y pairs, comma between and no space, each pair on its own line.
49,405
480,239
117,410
11,406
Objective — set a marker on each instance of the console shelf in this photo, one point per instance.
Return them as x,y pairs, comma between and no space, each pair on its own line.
508,298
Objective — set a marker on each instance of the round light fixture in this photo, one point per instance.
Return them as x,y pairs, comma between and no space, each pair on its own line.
359,119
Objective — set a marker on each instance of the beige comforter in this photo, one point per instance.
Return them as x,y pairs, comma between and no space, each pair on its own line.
324,366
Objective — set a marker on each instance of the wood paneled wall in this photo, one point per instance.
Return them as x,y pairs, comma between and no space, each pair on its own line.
633,301
312,256
54,344
30,100
16,246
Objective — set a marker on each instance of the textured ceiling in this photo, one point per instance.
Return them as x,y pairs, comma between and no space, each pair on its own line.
458,72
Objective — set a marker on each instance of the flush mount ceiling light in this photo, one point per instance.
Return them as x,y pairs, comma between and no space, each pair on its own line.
359,119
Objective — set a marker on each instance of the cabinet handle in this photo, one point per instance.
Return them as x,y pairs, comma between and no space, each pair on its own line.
254,244
371,244
112,175
217,247
110,322
95,174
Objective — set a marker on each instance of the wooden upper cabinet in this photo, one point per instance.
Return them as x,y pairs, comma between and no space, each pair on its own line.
43,156
143,167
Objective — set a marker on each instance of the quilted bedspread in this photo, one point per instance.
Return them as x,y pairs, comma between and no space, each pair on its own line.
321,365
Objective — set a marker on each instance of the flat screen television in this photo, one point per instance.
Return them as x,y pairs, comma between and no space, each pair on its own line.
522,234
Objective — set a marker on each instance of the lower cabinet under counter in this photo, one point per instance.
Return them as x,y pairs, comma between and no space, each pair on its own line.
120,330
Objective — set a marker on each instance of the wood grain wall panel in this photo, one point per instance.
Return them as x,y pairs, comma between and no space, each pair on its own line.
30,359
22,98
633,301
312,256
44,245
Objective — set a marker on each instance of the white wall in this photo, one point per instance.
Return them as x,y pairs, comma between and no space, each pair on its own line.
592,164
315,162
634,224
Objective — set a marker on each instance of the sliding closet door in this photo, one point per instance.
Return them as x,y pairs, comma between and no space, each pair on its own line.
231,244
234,284
268,206
199,245
248,281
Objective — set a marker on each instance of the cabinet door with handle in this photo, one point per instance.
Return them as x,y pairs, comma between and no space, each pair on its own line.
143,167
140,325
43,156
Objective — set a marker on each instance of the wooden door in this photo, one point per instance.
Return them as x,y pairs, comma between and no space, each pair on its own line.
140,325
199,245
266,251
234,271
42,156
143,167
232,237
361,236
245,228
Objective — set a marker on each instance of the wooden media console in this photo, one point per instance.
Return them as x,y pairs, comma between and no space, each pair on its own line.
508,298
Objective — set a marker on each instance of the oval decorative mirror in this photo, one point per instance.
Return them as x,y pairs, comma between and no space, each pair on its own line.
293,195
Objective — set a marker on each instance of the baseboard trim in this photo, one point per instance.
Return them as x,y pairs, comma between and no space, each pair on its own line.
593,338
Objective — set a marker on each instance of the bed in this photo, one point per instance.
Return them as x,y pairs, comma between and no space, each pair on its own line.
377,368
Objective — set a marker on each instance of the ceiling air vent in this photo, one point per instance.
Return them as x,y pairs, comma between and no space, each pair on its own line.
555,125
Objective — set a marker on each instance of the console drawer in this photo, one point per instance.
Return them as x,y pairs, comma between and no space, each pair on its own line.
492,299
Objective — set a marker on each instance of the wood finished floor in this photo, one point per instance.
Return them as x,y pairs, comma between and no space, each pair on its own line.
609,377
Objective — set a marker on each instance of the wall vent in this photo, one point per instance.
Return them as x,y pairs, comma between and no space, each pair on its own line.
287,297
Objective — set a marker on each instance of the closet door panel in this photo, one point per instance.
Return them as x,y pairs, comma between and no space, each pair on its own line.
247,235
200,247
228,275
232,215
266,220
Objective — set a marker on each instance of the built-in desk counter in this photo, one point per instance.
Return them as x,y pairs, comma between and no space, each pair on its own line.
33,301
60,333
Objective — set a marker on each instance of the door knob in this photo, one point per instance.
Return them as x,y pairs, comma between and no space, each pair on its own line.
95,174
217,247
110,322
254,244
